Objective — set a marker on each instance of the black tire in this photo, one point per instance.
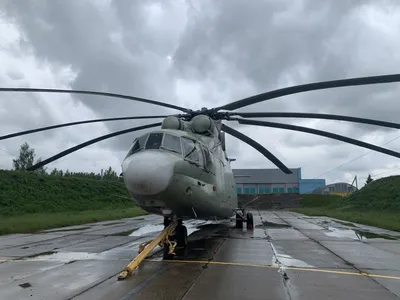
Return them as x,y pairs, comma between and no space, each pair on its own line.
239,221
180,237
250,222
166,221
167,256
181,240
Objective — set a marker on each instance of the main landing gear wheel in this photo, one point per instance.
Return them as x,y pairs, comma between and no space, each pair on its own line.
181,240
239,221
249,222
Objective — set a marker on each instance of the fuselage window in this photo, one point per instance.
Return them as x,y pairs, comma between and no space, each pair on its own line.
190,151
172,143
154,141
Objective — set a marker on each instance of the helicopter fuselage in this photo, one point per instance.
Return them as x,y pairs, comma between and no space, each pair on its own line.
176,172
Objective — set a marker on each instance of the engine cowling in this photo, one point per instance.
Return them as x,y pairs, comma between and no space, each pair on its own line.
172,122
202,124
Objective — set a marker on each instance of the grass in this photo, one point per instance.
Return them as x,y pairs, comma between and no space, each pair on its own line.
376,204
23,192
383,219
30,202
31,223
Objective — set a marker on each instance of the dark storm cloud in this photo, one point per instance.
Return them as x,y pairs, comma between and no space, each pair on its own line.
113,50
221,51
278,43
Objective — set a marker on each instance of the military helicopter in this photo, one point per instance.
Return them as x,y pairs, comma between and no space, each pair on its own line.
182,171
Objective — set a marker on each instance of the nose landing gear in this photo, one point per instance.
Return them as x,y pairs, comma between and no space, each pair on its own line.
179,237
173,239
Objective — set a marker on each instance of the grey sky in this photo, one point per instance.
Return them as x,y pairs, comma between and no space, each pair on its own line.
200,53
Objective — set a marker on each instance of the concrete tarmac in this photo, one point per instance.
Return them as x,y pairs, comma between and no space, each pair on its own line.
286,256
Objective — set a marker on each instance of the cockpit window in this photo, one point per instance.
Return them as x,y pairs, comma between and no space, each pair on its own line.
183,146
190,151
172,143
142,141
154,141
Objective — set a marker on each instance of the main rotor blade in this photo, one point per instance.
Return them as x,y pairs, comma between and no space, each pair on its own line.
310,87
95,93
87,143
320,133
11,135
256,146
315,116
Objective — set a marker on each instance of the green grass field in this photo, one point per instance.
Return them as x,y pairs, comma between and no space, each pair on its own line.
376,204
30,223
30,202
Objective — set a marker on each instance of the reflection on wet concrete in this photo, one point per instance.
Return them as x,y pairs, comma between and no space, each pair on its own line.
273,225
283,260
71,229
230,263
356,234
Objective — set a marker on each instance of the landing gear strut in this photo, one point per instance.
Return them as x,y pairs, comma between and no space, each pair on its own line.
180,238
173,239
242,217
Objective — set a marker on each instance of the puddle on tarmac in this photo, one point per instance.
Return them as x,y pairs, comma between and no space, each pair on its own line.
112,223
124,233
356,234
284,260
64,256
273,225
191,226
346,223
67,229
147,229
40,254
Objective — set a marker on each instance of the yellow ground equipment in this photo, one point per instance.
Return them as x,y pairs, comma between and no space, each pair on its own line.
144,249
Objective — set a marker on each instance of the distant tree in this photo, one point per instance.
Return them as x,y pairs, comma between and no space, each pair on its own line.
56,172
26,158
110,174
369,179
42,170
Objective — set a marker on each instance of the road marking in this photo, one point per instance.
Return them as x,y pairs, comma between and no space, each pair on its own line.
226,263
278,267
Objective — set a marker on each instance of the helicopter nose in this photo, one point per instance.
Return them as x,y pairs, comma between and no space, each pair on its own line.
148,172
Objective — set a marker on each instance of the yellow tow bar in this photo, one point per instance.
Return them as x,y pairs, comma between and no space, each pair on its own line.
144,249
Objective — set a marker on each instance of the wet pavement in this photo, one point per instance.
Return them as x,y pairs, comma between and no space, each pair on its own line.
286,256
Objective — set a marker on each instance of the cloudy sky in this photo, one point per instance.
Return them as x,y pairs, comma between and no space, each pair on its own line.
201,53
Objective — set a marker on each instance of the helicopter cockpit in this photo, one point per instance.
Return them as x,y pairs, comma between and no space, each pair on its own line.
182,146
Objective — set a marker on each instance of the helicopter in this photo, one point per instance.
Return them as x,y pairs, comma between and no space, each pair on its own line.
182,171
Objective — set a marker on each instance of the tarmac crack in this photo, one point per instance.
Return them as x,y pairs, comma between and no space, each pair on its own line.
282,268
205,266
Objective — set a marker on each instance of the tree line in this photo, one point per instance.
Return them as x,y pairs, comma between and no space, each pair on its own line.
27,156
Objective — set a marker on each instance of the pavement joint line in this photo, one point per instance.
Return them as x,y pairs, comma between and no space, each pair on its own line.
363,274
279,267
